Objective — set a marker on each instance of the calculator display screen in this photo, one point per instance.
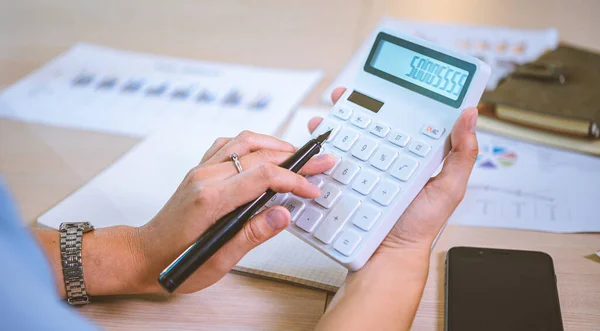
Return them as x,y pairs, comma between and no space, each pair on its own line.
420,69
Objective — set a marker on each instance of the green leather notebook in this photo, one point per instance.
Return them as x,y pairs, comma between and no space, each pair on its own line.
559,92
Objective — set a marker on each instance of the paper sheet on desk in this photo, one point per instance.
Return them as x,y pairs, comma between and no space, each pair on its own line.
520,185
98,88
499,47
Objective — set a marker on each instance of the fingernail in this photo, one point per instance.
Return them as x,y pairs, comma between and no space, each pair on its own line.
323,157
473,121
276,219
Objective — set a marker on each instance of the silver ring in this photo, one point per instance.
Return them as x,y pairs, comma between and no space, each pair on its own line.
236,162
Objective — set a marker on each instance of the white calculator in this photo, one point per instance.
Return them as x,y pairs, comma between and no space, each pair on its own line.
391,132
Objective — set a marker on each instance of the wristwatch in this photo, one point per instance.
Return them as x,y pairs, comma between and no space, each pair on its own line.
71,235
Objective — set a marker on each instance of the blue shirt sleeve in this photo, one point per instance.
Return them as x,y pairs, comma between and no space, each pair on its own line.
28,297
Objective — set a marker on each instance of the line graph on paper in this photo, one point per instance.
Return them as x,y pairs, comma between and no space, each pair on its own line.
496,204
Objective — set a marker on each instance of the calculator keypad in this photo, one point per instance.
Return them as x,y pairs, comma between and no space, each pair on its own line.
345,139
347,242
295,206
380,130
316,181
419,148
343,113
432,131
365,182
329,195
278,199
399,138
346,172
309,220
336,219
383,158
361,121
404,168
385,193
364,148
366,217
373,164
327,125
337,161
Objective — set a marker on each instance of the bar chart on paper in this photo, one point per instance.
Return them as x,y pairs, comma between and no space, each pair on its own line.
102,89
524,186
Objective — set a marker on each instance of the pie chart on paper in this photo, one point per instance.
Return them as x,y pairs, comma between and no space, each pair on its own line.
495,157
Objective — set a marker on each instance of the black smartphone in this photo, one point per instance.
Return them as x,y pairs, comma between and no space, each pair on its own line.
497,289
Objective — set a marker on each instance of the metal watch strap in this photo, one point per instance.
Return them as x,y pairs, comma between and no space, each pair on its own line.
71,235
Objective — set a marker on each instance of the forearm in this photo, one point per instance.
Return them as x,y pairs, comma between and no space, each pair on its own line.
384,295
108,258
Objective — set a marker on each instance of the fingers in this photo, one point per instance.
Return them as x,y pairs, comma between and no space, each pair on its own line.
250,184
458,165
217,145
259,229
337,94
245,143
224,170
315,121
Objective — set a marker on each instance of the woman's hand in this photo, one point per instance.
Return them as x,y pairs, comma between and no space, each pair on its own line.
213,189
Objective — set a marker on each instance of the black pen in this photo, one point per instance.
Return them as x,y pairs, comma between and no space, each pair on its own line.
225,228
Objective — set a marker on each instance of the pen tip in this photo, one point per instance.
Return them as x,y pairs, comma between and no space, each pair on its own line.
324,136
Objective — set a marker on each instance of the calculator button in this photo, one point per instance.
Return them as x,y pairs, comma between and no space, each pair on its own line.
404,168
347,242
366,217
380,130
419,148
326,125
383,158
385,193
399,138
365,182
364,148
346,139
337,218
342,113
309,220
346,172
295,206
315,180
432,131
360,121
277,200
329,195
338,159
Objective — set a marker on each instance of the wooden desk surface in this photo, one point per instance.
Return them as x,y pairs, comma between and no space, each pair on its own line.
43,164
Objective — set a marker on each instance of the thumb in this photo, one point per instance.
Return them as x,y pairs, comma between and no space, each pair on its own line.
452,180
261,228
